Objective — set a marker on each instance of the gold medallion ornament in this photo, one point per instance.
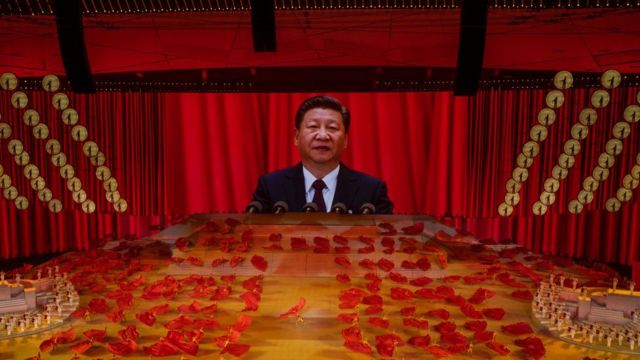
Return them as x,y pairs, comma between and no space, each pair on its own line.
635,172
90,148
79,196
98,160
512,199
632,113
588,117
585,197
69,116
590,184
554,99
519,174
22,159
572,147
531,149
31,171
59,159
524,161
566,161
67,171
5,181
5,130
38,183
503,209
546,117
53,146
563,80
103,173
113,196
10,193
31,117
15,147
45,195
513,186
19,100
623,194
575,207
110,185
600,174
8,81
600,99
74,184
60,101
538,133
579,131
21,202
50,83
88,206
606,160
621,130
55,206
559,173
539,208
121,206
628,182
611,79
551,185
547,198
612,205
79,133
613,147
41,131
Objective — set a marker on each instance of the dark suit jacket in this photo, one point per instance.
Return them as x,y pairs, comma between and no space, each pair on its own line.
353,189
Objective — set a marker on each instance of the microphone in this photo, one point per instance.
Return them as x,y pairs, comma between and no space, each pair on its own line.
310,207
367,208
339,208
254,207
280,207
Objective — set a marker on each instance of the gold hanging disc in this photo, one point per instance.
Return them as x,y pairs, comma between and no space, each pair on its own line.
38,183
588,116
90,149
121,206
69,116
79,196
611,79
88,206
600,174
15,147
8,81
575,207
5,181
513,186
59,159
551,185
520,174
74,184
613,205
628,182
60,101
555,99
67,171
547,198
600,99
531,149
50,83
53,146
613,147
113,196
563,80
524,161
55,206
566,161
10,193
539,208
21,202
110,185
621,130
590,184
31,171
98,160
546,117
635,172
559,173
19,100
572,147
606,160
579,131
512,199
623,194
79,133
538,133
31,117
41,131
632,113
22,159
45,195
585,197
103,173
5,130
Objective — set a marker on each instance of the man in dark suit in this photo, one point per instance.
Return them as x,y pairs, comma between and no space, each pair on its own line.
321,130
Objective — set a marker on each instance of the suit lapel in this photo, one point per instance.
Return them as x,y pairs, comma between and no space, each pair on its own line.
295,188
347,188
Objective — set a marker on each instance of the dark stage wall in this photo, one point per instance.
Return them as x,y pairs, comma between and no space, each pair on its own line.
176,154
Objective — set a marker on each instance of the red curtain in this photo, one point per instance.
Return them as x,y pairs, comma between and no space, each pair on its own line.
128,128
183,153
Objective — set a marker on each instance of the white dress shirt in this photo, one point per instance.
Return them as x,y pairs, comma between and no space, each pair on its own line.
330,180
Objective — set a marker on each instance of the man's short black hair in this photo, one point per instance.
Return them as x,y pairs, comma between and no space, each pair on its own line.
323,102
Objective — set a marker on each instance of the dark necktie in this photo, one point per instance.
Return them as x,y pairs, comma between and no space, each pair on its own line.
318,199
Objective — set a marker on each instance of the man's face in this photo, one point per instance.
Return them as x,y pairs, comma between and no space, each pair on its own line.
321,138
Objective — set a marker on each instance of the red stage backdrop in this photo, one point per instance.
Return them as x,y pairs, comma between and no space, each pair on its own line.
176,154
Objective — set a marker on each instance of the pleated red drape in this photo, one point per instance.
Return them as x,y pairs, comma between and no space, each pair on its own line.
183,153
128,128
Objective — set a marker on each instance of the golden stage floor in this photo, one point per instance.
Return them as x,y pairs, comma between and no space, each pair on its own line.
181,272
